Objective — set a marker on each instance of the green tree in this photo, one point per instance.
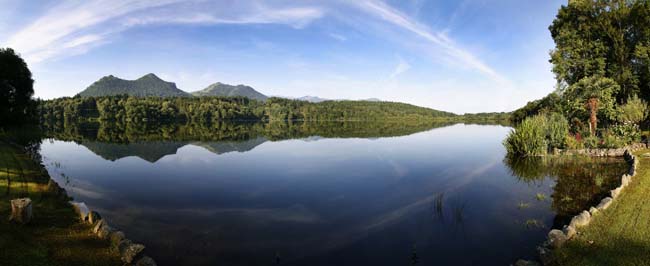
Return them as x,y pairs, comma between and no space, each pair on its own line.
634,111
16,89
592,97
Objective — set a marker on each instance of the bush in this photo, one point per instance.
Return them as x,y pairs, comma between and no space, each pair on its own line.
627,133
634,111
557,128
528,138
591,142
572,142
611,141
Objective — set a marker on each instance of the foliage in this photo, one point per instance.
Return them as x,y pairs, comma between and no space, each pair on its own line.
579,96
573,142
626,133
16,89
549,103
214,109
557,128
591,142
634,110
528,138
603,38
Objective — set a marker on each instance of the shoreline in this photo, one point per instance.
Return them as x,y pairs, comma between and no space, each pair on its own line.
557,238
70,236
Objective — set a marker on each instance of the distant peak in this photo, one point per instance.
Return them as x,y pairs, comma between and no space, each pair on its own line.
150,75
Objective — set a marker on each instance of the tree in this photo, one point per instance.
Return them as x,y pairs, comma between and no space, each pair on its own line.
590,97
634,111
16,89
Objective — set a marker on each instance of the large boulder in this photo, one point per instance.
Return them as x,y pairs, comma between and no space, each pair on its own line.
604,204
101,223
21,210
581,219
81,209
116,238
556,238
615,192
94,217
569,231
130,251
145,261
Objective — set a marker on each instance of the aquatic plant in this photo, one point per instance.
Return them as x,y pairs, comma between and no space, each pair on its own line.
528,138
540,196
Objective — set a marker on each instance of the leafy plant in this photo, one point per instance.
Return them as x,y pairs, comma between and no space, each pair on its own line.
528,138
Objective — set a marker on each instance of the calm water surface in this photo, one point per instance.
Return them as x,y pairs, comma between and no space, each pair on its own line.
436,196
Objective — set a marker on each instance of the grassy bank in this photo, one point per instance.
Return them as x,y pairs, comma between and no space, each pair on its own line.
621,234
55,235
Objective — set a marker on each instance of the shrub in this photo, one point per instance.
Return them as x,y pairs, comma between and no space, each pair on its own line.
557,128
528,138
634,111
627,133
573,142
611,141
591,142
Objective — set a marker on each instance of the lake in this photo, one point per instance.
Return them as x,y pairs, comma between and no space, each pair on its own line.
326,194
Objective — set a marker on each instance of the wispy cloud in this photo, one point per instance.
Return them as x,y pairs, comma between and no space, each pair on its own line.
74,27
338,37
439,39
401,67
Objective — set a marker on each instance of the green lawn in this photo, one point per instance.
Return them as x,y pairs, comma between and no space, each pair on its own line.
55,236
621,234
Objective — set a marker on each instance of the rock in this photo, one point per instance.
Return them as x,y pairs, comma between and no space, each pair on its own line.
116,237
94,217
81,209
101,223
593,211
625,180
148,261
21,210
527,263
104,232
129,251
544,255
581,219
604,204
569,231
615,192
556,238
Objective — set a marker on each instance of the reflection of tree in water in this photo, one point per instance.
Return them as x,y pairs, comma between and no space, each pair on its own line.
116,132
580,181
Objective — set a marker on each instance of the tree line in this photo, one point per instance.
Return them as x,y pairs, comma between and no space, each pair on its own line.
215,109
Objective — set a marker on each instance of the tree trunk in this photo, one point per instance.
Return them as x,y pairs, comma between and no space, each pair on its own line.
593,110
21,210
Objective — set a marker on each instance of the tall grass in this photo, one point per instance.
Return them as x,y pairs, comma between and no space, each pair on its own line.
528,138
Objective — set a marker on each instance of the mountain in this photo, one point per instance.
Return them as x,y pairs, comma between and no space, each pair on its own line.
225,90
312,99
147,85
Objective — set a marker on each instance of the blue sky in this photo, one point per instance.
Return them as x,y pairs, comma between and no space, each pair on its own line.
459,56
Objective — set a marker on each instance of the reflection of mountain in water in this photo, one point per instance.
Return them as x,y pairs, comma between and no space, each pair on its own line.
148,151
222,147
154,150
113,141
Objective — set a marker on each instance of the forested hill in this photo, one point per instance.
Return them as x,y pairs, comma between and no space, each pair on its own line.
147,85
214,109
225,90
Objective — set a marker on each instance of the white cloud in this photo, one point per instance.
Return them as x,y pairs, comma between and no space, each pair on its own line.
401,67
338,37
440,39
73,27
